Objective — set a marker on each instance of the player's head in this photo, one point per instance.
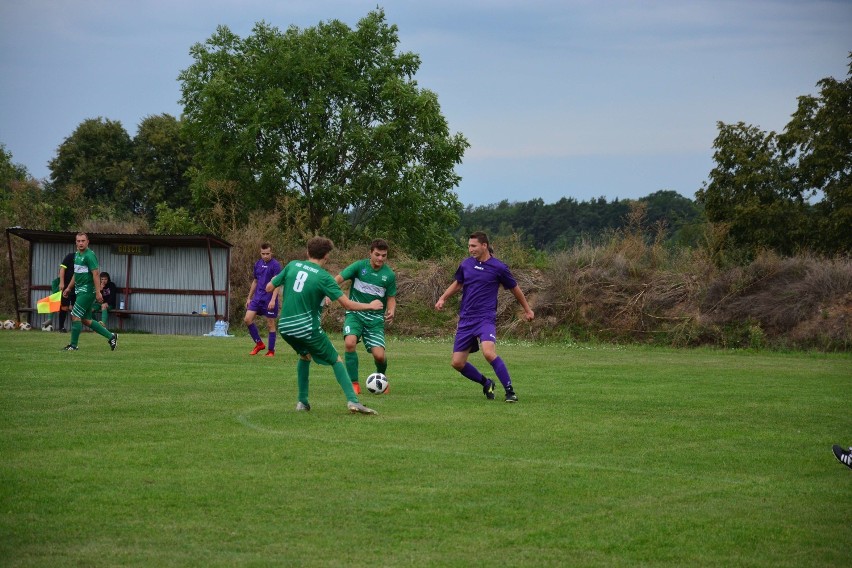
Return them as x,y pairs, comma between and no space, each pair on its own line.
319,247
82,241
105,278
378,253
266,252
478,246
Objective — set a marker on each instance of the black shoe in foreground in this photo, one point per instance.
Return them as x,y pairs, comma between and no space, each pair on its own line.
488,389
511,396
70,347
843,456
113,342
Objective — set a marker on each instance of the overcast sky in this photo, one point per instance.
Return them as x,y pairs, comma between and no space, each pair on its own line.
569,98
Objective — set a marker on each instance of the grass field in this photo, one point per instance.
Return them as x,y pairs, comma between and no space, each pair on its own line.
185,451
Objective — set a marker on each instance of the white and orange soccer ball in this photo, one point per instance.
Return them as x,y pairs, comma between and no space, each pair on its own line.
25,326
8,324
377,383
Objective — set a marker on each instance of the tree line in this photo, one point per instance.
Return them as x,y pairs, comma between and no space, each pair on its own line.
325,130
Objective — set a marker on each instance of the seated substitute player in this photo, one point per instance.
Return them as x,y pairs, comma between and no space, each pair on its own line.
304,285
109,291
372,279
479,278
261,302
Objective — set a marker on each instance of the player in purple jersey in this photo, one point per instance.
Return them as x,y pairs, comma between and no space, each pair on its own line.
479,278
261,302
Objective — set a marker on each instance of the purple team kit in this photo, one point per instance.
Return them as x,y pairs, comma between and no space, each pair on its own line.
478,311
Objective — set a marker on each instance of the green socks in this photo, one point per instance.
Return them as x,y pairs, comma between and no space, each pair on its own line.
96,326
351,365
303,369
76,328
344,381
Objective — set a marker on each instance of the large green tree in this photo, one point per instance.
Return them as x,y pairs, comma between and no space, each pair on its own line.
329,115
97,157
820,135
162,155
788,191
752,189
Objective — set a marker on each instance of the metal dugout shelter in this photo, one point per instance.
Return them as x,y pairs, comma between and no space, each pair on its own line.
163,280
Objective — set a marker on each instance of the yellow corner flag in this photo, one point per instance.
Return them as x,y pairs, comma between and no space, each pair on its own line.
49,304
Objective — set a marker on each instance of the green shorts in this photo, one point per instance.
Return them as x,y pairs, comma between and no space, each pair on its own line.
319,348
83,305
371,332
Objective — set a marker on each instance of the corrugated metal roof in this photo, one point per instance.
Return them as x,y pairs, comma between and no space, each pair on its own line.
34,235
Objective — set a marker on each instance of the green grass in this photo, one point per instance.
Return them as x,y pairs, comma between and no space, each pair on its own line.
185,451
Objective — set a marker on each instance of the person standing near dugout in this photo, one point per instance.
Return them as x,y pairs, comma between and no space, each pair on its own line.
86,283
372,279
479,278
66,272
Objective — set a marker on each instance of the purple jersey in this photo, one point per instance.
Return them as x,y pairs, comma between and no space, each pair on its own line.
480,283
263,273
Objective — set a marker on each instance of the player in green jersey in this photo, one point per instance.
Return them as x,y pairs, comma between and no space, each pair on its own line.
372,279
304,286
86,284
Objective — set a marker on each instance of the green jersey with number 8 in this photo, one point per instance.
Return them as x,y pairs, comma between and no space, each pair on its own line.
304,287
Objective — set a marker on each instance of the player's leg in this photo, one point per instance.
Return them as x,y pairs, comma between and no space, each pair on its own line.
271,322
467,342
352,330
374,341
82,309
251,313
379,358
350,358
76,329
96,325
303,370
489,351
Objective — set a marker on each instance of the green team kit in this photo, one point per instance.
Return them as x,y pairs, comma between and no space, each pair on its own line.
85,264
84,285
368,284
304,287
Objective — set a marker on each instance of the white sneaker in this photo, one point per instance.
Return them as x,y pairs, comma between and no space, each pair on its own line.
302,407
357,407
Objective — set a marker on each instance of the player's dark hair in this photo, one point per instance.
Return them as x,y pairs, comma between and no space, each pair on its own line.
264,246
379,244
318,247
483,239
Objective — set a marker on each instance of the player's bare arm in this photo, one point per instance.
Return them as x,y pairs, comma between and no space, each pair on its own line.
390,309
448,293
522,300
252,288
358,306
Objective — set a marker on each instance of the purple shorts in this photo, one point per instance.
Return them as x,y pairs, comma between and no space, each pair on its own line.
468,335
260,307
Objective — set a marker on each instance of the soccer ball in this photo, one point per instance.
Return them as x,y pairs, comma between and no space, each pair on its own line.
47,326
377,383
25,326
8,324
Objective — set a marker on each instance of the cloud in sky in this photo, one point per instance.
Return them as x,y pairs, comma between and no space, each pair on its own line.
557,98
